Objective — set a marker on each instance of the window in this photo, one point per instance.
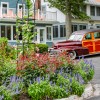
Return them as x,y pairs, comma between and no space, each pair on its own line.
14,33
98,11
20,8
41,34
81,27
35,37
43,9
49,33
74,28
92,10
20,32
55,31
62,31
97,35
4,8
6,31
88,36
98,26
75,37
3,31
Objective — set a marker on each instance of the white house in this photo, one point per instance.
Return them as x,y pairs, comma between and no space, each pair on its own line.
50,22
92,9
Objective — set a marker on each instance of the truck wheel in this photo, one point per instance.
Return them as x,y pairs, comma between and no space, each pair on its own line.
72,54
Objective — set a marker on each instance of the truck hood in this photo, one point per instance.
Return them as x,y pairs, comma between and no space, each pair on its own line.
68,43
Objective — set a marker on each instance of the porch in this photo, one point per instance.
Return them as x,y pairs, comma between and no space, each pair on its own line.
37,15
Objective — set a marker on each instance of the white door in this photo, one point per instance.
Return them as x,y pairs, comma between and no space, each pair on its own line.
42,35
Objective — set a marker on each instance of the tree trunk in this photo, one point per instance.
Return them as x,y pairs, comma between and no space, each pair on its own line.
68,21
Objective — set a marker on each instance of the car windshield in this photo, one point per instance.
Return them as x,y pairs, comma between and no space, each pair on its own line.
76,37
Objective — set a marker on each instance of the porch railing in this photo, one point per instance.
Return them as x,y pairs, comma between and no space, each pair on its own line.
39,15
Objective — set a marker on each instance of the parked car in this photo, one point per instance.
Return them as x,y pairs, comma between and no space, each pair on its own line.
83,42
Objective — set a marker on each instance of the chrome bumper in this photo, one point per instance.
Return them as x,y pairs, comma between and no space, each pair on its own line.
54,51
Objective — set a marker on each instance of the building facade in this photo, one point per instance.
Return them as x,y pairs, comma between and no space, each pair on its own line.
50,22
92,9
11,9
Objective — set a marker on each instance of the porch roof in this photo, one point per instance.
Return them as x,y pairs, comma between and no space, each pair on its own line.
37,22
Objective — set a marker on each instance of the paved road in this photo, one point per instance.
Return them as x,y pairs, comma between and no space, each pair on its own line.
94,98
96,61
96,79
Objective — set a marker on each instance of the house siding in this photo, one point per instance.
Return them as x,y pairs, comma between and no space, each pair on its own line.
12,3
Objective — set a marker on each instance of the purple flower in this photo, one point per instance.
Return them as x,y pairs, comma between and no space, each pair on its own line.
81,80
38,79
60,85
65,76
66,90
13,79
86,61
70,80
91,64
61,71
17,91
50,82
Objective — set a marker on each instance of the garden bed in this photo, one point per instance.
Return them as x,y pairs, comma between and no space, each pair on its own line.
43,77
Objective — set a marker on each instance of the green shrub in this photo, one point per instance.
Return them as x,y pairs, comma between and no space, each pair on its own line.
58,92
3,46
85,69
38,91
43,90
5,93
6,51
90,74
42,48
6,70
77,88
11,52
3,41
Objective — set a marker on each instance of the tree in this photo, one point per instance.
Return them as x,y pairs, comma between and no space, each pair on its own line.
25,28
72,9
